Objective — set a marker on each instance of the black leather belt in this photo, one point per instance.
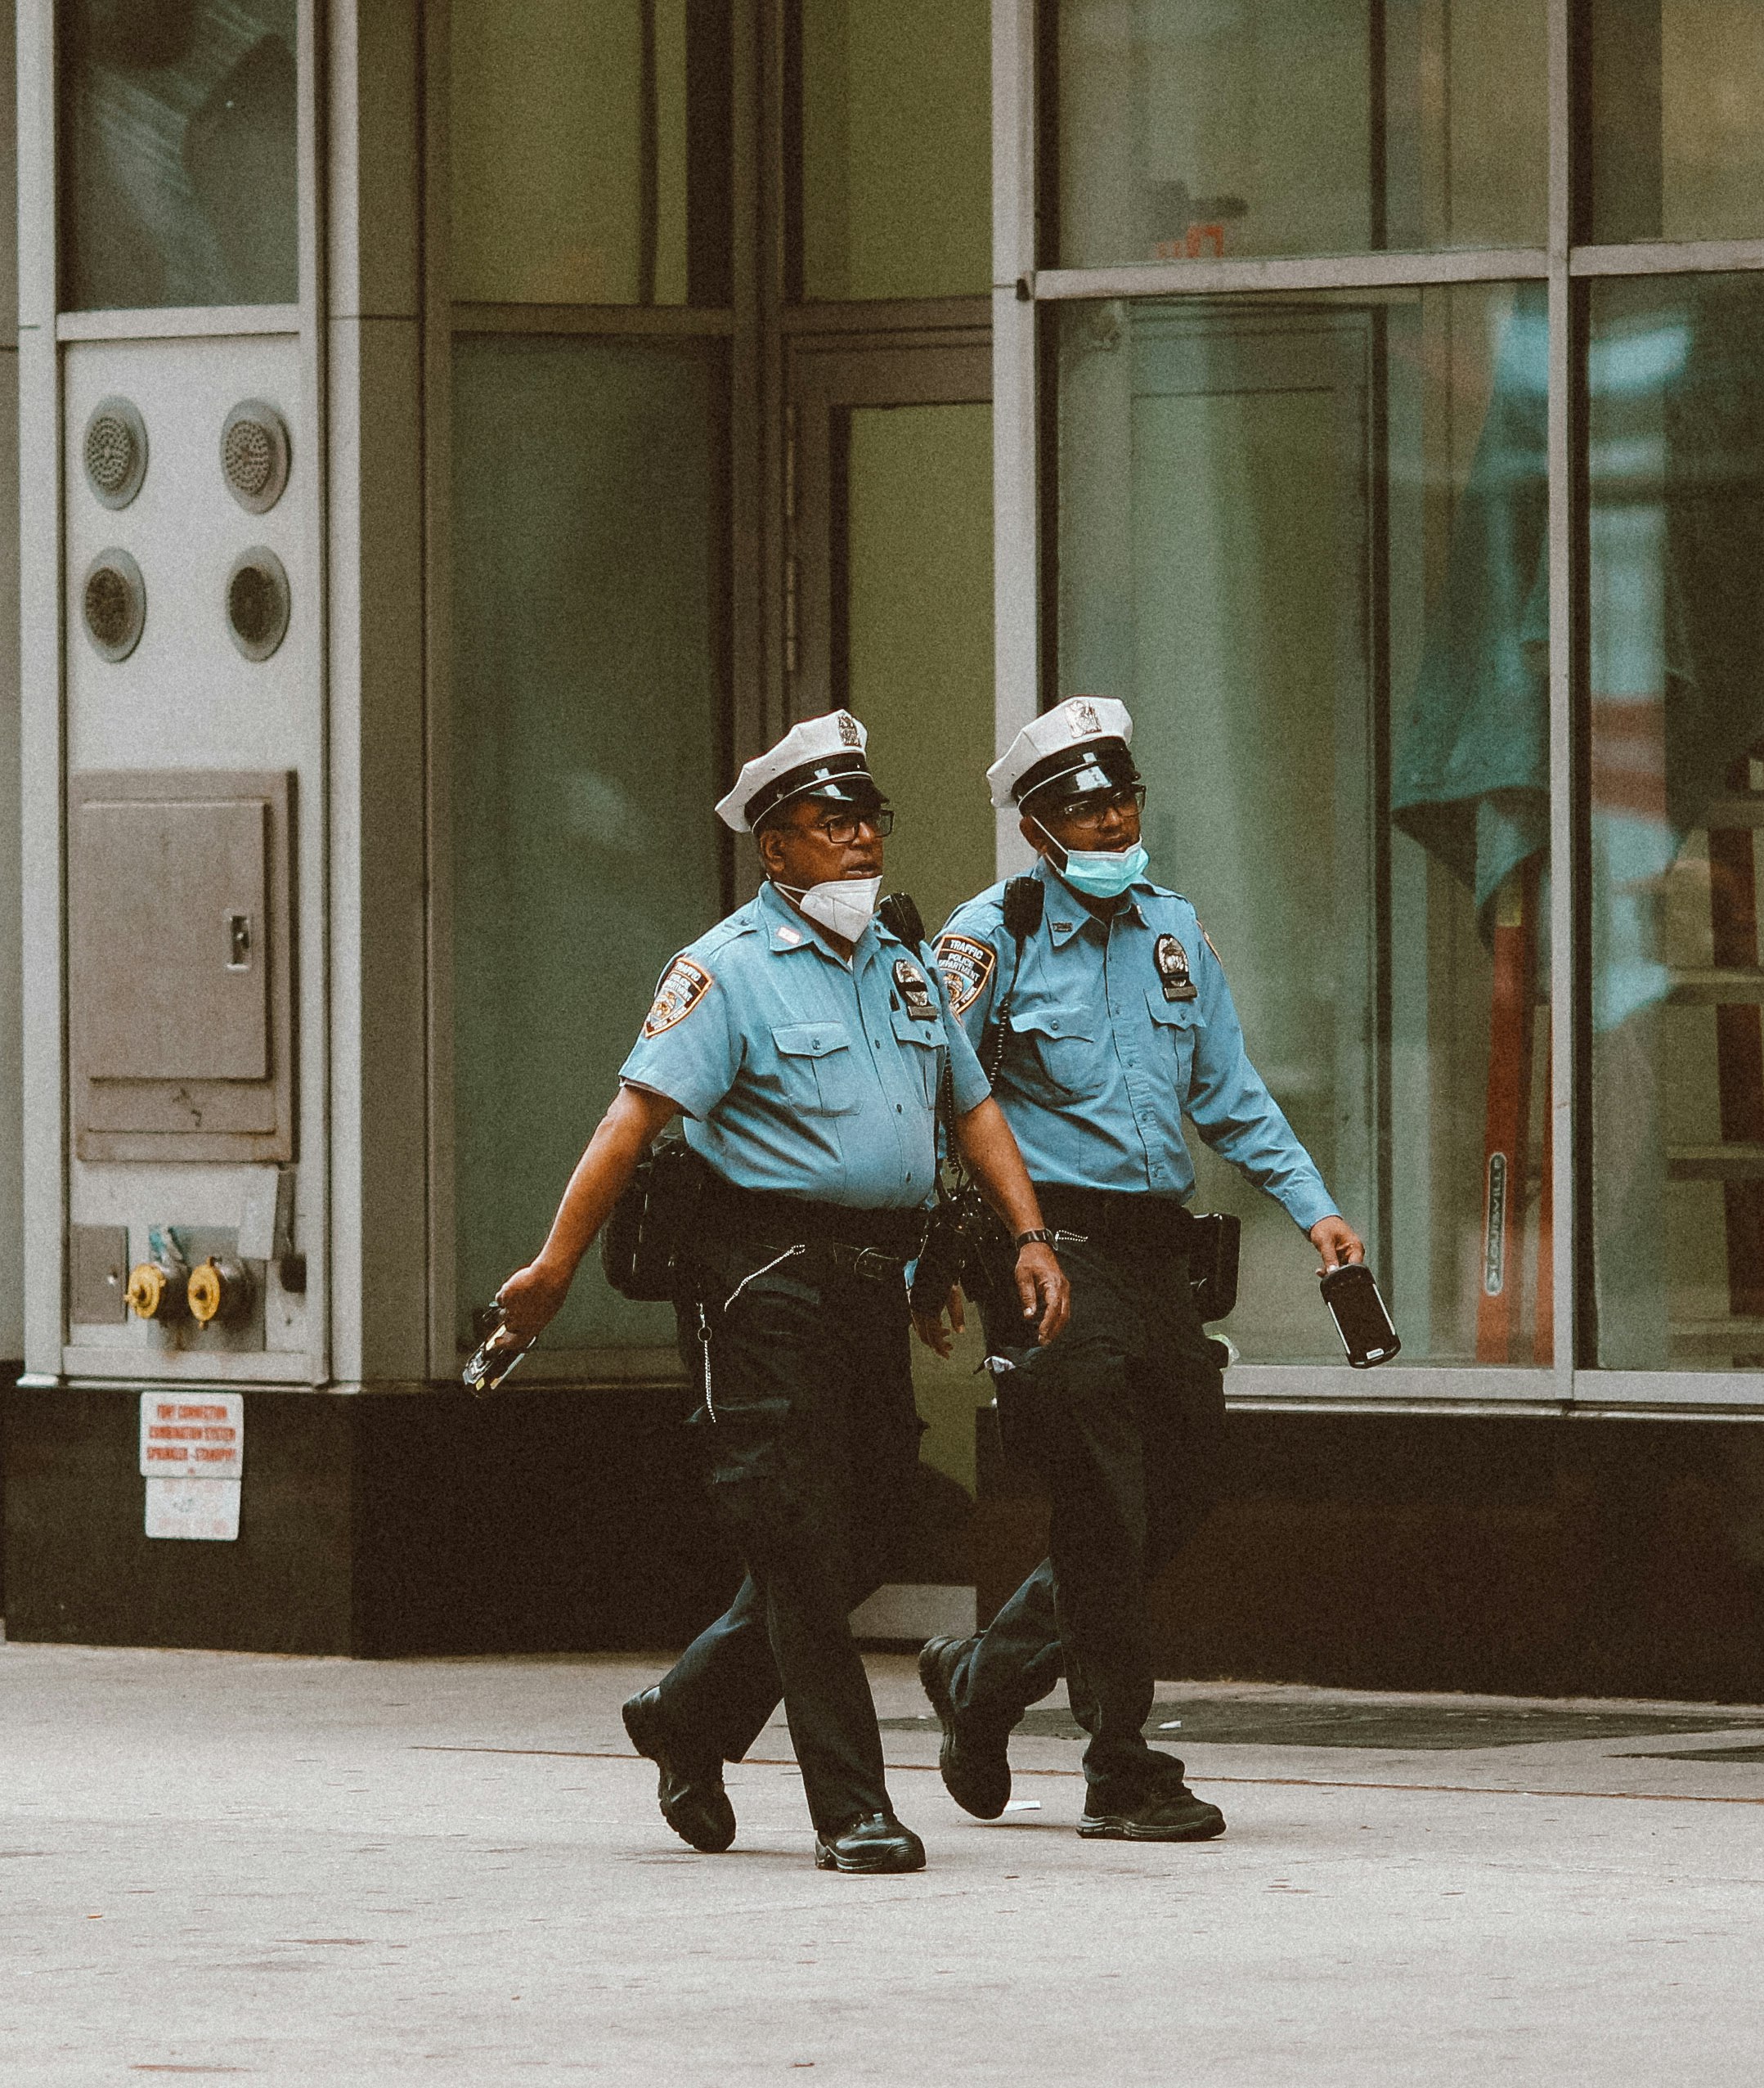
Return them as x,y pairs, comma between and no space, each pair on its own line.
1124,1216
869,1243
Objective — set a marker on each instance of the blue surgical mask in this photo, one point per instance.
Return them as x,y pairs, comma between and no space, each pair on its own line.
1101,872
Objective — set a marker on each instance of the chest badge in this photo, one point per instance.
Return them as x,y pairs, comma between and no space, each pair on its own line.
1173,969
914,990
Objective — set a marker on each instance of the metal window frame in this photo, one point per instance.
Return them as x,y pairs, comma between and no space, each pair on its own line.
1022,33
447,321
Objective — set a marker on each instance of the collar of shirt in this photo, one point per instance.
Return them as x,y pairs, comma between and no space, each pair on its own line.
1062,902
787,929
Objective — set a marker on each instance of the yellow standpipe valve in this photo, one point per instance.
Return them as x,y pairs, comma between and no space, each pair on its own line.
219,1290
154,1291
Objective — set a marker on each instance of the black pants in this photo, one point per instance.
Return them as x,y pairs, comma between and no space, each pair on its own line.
811,1439
1122,1417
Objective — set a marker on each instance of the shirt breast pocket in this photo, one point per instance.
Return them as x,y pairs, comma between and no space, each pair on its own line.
1179,1021
816,1068
919,1054
1060,1043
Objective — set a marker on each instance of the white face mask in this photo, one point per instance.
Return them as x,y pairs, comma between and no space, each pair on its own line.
842,905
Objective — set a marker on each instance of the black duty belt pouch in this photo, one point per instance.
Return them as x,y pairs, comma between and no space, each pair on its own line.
1213,1246
652,1222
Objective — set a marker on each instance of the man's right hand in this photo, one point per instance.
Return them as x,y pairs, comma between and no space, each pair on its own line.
531,1298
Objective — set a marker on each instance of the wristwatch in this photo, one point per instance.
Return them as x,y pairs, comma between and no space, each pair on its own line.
1040,1238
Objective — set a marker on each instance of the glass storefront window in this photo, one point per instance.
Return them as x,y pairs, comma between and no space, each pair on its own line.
1192,128
1676,128
589,727
1676,378
894,189
1306,542
590,151
179,126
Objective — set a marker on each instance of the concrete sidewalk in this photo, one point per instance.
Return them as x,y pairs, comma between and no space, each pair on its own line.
311,1871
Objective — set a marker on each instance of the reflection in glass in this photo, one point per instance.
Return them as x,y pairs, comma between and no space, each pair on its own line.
1305,543
1675,374
1263,127
179,153
588,580
590,151
894,193
1677,119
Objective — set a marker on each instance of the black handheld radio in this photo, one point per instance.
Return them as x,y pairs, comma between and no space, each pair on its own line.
1362,1320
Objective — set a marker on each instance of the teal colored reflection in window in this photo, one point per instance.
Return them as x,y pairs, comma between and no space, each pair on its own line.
588,730
1676,539
179,124
1308,545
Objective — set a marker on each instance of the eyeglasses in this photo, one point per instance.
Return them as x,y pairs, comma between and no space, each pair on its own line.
1091,811
841,828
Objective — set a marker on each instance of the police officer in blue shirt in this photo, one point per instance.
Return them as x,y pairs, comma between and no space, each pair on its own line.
1116,1021
805,1046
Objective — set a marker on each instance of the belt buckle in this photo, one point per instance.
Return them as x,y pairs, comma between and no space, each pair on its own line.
873,1265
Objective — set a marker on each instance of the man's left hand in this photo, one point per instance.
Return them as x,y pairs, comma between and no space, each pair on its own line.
1047,1296
1337,1242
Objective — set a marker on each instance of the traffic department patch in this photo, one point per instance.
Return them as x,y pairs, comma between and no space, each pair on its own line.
684,985
965,966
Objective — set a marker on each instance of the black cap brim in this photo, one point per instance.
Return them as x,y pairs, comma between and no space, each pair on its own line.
1099,765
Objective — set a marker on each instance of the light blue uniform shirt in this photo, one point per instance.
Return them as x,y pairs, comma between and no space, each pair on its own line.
1107,1051
800,1073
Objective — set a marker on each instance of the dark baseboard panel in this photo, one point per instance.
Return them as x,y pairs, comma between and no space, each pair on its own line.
544,1520
1558,1556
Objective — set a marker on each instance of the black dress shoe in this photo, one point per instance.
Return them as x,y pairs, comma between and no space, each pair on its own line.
974,1766
1171,1813
876,1842
690,1792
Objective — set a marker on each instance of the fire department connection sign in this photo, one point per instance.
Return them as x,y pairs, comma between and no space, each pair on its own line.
192,1456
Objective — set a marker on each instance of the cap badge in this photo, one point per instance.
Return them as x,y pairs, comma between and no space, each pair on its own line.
1084,718
848,730
1173,969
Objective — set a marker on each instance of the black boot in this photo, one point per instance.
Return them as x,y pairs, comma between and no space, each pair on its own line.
1170,1812
690,1792
876,1841
975,1765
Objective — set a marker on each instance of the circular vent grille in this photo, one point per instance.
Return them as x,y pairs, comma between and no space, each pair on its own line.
256,602
115,451
254,455
114,602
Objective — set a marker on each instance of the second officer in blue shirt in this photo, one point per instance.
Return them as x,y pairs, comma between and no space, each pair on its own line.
1108,1023
805,1046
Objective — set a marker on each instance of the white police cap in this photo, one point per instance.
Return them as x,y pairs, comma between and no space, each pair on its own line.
1082,742
821,757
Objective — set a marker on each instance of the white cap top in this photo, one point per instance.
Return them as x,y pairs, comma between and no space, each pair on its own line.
1080,727
820,756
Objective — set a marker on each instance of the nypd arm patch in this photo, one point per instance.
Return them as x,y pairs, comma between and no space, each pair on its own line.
684,985
965,965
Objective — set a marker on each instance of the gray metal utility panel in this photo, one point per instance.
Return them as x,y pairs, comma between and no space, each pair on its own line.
180,985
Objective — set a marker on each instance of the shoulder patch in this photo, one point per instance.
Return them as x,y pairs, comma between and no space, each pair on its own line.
684,985
965,966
